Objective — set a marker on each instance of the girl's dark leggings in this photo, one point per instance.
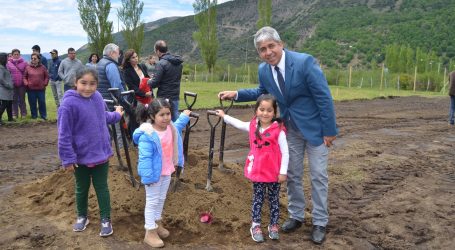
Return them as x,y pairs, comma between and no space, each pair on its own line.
273,192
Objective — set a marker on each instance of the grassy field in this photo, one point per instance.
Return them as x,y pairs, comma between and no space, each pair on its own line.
207,96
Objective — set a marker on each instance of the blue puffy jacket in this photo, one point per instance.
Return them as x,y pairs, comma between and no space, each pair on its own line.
149,146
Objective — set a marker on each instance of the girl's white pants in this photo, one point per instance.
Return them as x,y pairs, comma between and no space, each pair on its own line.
155,195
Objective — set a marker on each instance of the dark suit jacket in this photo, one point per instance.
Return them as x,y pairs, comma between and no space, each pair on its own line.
307,96
132,80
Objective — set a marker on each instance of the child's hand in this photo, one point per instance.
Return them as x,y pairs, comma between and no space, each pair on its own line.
119,109
282,178
186,112
220,113
70,168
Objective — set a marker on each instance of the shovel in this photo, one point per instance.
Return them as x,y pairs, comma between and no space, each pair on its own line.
114,136
179,170
209,187
117,97
222,139
188,125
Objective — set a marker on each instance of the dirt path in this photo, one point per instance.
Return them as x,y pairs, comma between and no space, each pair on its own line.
391,187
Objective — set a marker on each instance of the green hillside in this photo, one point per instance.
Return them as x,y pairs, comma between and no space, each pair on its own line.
336,32
365,30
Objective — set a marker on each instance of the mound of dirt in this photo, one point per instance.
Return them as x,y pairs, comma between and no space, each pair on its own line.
391,187
229,202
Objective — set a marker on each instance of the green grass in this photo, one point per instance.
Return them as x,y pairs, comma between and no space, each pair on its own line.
207,96
207,93
341,93
50,107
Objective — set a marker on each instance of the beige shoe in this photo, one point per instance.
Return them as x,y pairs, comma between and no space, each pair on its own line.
162,232
152,239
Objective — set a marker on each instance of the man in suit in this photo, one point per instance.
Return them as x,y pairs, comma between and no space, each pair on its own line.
306,106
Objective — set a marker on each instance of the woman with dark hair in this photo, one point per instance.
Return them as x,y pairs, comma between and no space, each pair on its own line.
36,79
133,73
93,59
6,89
16,66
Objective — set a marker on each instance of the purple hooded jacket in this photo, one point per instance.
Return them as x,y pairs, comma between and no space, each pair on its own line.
17,68
83,136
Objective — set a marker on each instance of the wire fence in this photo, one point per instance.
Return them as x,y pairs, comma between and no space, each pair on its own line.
381,78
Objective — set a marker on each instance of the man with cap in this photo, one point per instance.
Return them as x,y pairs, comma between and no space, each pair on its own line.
37,49
56,81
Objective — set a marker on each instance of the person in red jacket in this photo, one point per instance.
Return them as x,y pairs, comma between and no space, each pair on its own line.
267,162
36,79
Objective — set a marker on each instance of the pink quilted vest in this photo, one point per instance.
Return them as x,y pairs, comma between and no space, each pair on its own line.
264,159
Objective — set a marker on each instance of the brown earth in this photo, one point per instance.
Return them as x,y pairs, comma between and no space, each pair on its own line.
391,187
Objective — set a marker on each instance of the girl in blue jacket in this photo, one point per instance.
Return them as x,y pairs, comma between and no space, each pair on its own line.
160,149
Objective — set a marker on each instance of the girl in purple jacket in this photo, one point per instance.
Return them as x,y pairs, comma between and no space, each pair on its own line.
84,145
267,162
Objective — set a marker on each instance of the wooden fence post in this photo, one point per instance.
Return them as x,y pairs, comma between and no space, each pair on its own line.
350,76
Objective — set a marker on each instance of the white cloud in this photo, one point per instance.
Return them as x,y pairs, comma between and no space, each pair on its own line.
52,17
56,23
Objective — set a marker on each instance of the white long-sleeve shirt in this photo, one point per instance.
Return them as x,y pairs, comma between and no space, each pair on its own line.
282,142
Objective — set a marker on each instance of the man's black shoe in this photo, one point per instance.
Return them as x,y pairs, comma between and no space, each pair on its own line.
290,225
318,234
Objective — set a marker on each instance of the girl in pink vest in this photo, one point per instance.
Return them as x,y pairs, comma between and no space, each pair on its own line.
267,162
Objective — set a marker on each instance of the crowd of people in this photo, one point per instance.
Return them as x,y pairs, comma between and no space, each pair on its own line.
288,80
30,79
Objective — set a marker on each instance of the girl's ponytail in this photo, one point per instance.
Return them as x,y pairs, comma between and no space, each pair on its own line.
142,112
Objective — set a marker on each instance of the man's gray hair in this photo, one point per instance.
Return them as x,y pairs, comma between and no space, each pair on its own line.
109,48
265,34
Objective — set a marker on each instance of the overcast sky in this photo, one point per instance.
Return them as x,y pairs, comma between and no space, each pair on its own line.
55,24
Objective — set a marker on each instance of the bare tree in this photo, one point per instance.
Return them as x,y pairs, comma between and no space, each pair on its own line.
130,15
206,37
94,14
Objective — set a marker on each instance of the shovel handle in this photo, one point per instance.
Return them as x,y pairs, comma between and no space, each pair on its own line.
226,110
194,115
185,97
212,112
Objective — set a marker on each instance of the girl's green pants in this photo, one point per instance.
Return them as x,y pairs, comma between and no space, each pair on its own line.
98,175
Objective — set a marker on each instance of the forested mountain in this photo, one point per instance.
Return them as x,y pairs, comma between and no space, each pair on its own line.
336,32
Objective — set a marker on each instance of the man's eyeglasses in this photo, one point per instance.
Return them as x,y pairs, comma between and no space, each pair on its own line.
72,53
34,58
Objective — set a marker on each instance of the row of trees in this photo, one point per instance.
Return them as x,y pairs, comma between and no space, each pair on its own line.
94,19
404,59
